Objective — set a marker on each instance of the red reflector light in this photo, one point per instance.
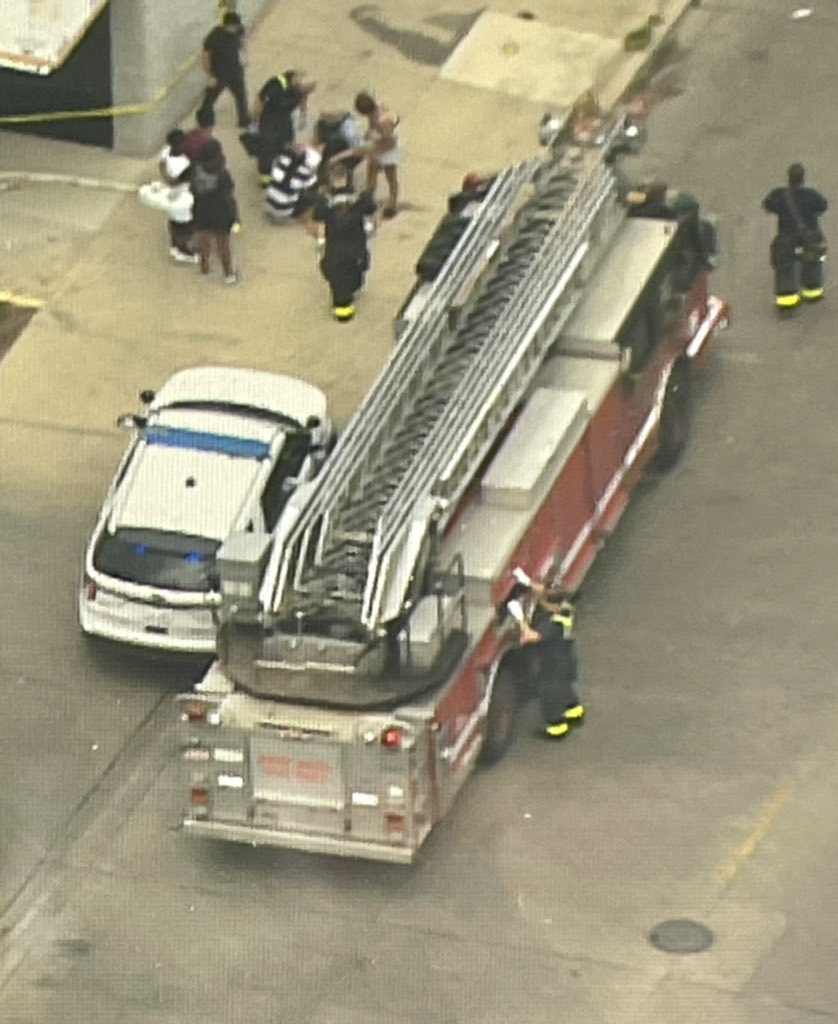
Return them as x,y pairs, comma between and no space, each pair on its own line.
199,796
392,739
89,589
394,822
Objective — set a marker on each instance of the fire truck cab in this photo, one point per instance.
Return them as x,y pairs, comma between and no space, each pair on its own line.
363,669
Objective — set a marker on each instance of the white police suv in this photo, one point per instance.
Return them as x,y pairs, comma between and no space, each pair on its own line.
219,449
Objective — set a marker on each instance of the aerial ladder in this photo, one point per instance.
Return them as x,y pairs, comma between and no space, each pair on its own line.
469,347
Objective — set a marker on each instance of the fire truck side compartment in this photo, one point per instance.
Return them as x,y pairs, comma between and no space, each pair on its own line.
613,291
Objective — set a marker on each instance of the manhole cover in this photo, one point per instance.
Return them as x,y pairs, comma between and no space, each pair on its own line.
681,936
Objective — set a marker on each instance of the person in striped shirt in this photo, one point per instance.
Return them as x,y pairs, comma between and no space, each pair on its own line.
293,182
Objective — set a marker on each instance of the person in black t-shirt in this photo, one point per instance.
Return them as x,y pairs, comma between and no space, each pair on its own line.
342,219
798,242
214,211
274,110
222,60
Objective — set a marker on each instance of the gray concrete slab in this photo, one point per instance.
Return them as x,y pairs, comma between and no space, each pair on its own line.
526,59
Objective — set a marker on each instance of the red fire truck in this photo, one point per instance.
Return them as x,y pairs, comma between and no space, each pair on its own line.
543,360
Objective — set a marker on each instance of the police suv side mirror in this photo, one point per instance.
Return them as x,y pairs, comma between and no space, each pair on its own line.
130,419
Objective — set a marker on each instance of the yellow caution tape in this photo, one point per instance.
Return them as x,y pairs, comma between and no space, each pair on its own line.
22,301
120,110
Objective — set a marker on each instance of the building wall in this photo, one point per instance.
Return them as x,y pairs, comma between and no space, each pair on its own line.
136,53
151,41
83,82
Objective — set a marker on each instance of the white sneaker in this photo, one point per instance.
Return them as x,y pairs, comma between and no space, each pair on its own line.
231,279
183,257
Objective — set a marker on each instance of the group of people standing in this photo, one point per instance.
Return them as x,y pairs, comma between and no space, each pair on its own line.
203,207
311,182
283,100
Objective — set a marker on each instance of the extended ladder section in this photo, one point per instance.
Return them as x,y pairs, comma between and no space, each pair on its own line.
459,371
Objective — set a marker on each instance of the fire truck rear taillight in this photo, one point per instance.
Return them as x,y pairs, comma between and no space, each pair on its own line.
90,590
392,739
199,796
394,823
196,711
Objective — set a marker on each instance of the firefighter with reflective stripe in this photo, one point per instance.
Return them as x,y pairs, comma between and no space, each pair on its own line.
798,249
273,111
549,639
343,220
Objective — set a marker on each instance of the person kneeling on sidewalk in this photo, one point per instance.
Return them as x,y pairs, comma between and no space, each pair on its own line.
291,192
342,222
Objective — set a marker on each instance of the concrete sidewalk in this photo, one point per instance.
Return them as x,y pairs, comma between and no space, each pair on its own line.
470,91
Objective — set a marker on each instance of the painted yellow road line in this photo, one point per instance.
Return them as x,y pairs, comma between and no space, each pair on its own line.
771,811
23,301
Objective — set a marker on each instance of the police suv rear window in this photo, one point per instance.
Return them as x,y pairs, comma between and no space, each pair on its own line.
153,558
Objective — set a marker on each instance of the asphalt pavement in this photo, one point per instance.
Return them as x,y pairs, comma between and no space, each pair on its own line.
702,785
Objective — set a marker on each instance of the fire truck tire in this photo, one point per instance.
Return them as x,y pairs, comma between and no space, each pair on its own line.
674,428
501,717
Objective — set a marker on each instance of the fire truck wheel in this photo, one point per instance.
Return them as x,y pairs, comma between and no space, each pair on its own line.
500,719
674,428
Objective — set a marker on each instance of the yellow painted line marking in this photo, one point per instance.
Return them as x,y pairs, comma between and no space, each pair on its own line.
747,849
24,301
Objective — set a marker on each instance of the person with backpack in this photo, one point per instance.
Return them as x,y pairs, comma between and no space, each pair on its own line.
214,212
342,221
273,112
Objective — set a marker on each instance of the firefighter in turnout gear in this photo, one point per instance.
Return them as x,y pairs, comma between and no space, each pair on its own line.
343,220
548,639
798,249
